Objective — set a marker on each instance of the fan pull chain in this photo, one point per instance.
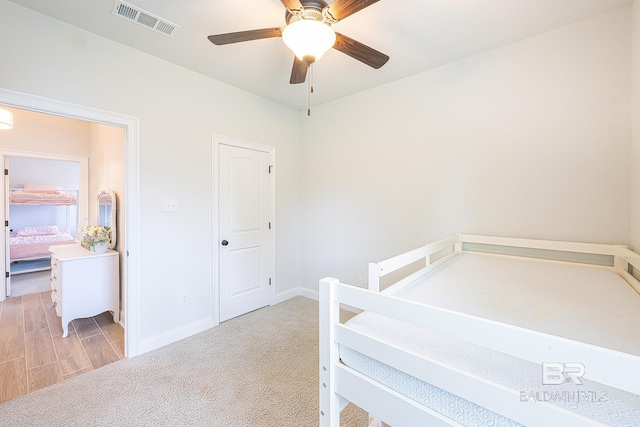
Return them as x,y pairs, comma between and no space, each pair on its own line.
310,91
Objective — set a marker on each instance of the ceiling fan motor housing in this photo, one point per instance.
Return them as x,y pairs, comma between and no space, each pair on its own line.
311,39
312,9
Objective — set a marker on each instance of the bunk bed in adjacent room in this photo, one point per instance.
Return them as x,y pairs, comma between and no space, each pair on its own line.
29,243
488,331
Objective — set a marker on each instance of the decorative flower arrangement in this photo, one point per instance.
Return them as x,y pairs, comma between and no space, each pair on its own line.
93,234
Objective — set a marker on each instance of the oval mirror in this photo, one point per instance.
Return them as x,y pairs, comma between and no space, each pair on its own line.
107,213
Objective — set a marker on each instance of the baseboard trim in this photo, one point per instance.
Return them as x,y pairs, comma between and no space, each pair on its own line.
307,293
167,338
285,295
296,292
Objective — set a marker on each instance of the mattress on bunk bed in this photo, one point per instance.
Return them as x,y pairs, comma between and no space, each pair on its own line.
42,198
36,246
583,303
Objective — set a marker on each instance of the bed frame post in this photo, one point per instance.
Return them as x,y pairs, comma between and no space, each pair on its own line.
619,264
458,245
329,316
374,277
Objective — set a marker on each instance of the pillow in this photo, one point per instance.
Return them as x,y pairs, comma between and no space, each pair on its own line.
41,188
43,230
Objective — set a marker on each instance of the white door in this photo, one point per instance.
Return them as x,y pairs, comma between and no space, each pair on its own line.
244,230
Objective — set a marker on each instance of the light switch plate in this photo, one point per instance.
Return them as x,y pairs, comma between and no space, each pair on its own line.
171,205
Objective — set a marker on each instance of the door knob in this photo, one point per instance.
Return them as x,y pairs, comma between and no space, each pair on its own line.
224,243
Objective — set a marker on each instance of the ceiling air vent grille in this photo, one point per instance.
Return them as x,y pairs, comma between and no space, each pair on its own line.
144,18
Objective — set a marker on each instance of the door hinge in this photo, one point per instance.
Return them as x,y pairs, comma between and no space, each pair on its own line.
270,166
6,274
6,171
269,226
269,281
6,223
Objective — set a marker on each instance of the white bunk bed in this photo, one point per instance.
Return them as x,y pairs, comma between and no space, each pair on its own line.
474,338
29,245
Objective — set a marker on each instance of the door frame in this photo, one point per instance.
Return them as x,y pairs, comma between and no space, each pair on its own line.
83,191
131,265
218,140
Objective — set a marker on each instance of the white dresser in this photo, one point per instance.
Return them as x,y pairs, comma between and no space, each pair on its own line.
84,283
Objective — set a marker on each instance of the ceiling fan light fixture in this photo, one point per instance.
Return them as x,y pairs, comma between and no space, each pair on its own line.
6,119
309,39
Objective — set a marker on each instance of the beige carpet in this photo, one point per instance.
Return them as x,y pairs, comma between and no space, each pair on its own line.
259,369
30,283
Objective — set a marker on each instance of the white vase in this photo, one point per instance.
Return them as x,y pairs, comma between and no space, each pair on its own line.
101,247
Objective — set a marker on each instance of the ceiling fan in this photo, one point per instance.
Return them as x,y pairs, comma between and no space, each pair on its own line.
309,34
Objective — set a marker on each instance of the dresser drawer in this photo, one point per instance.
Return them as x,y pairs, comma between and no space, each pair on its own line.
55,266
55,283
56,300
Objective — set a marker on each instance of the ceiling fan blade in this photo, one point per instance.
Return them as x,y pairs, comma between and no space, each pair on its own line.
298,71
359,51
244,36
340,9
292,4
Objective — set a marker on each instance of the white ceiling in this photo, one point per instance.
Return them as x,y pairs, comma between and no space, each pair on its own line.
416,34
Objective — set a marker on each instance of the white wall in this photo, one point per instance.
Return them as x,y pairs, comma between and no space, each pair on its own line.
179,110
43,171
635,141
529,140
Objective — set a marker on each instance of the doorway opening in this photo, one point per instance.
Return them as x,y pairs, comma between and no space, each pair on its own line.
45,195
129,250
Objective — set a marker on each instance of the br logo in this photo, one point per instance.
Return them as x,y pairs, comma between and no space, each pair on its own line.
558,373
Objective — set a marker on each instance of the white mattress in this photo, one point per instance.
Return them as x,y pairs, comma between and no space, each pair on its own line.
588,304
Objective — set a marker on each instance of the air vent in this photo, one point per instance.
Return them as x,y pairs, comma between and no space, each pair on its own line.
144,18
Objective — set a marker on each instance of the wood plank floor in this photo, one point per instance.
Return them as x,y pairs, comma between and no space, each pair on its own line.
33,353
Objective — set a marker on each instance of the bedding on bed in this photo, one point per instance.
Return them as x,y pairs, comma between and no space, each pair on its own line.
41,188
36,245
583,303
42,230
42,198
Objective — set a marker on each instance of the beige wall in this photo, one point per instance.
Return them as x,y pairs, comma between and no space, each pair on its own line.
37,133
44,133
635,141
527,140
103,145
106,171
